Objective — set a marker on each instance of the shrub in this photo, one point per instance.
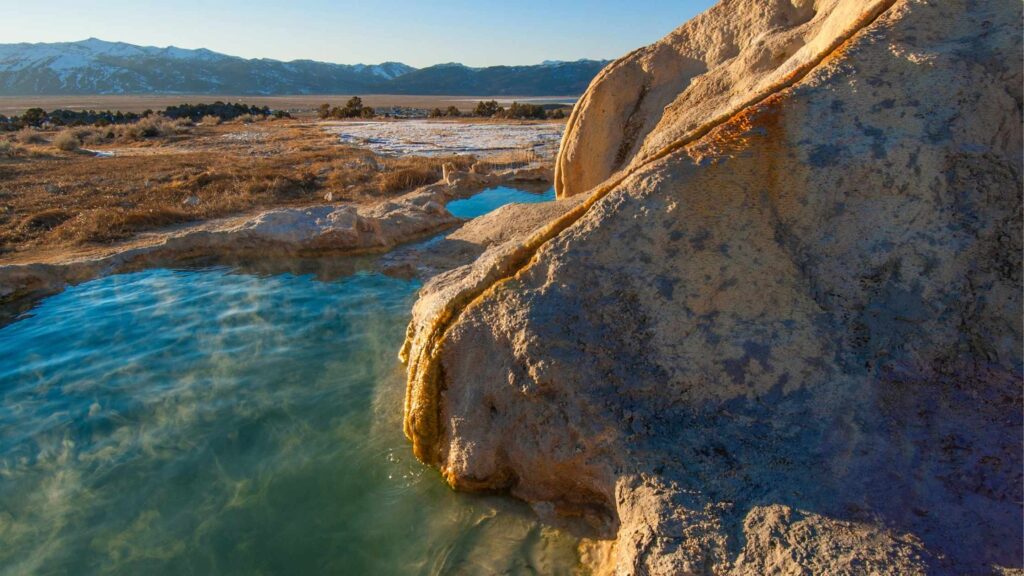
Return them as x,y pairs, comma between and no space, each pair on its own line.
210,120
67,141
487,109
453,112
92,137
353,109
8,149
524,111
30,136
154,126
149,128
436,113
34,116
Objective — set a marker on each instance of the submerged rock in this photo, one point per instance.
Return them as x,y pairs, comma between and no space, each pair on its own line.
781,331
505,227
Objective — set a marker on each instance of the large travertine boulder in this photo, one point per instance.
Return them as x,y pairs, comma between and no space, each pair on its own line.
717,63
783,334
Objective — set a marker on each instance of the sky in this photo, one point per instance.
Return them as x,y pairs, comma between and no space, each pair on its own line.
417,32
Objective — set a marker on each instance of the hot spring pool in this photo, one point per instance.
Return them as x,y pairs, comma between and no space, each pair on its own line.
216,421
494,198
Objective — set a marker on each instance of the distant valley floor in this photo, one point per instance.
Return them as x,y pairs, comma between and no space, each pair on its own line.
297,104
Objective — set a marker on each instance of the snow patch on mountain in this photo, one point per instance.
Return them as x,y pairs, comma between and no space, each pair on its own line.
95,66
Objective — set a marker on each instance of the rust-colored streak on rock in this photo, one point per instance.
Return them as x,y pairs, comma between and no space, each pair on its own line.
770,348
422,349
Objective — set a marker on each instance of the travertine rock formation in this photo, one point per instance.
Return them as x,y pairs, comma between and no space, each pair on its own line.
285,233
782,332
702,73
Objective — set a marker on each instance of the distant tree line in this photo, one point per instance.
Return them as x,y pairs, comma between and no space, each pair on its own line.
37,117
224,111
451,112
492,109
354,108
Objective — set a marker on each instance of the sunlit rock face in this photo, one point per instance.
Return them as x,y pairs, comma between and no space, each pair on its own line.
783,337
703,72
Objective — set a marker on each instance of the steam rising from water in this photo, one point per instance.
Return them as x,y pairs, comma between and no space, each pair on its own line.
209,421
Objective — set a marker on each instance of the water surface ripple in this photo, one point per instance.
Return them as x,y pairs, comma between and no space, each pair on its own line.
217,422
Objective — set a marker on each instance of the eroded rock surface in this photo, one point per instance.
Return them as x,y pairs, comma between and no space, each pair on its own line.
788,341
703,72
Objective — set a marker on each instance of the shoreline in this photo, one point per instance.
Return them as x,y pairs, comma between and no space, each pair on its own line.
343,229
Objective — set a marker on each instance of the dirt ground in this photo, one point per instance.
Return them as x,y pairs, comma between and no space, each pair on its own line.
52,199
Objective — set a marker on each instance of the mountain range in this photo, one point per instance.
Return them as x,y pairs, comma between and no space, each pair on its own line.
98,67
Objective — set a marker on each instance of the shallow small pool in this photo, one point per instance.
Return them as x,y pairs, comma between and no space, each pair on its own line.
215,421
494,198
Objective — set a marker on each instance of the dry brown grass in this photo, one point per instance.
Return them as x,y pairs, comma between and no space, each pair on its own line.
509,160
106,225
406,173
45,220
406,178
50,200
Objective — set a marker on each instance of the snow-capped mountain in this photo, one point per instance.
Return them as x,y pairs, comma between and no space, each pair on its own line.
98,67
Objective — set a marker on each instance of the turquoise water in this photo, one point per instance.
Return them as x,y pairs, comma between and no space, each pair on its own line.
493,198
217,421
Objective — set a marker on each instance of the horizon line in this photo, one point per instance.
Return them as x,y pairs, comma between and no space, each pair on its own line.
264,58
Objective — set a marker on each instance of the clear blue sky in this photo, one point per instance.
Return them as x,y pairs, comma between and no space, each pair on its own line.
417,32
